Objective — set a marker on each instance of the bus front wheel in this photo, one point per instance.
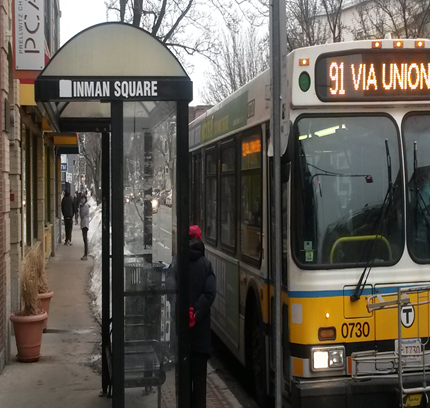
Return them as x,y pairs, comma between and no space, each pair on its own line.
258,366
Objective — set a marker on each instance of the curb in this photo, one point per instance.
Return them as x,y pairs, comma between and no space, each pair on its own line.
221,390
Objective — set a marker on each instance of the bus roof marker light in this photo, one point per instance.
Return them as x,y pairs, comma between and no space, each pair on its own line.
376,44
304,81
398,44
420,44
304,62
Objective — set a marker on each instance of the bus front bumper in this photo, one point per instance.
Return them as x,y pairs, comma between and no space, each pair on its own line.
348,393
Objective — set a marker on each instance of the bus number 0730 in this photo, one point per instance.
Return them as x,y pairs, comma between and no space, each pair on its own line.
356,329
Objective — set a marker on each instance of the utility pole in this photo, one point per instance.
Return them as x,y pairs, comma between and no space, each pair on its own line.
278,38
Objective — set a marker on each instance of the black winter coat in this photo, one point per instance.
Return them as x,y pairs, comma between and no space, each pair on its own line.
76,203
202,292
67,206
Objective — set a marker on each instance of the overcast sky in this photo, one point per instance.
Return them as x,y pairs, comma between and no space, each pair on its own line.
77,15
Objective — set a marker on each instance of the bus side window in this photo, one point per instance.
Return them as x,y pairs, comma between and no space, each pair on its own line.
251,197
228,196
211,209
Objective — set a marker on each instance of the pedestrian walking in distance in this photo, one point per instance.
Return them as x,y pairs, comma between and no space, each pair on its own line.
202,295
85,224
76,207
67,209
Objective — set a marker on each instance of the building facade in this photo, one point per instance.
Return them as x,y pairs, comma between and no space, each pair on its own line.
30,163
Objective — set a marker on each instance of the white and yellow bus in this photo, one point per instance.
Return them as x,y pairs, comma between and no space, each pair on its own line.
355,187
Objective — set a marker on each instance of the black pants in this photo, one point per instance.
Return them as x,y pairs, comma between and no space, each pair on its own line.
68,224
85,237
198,371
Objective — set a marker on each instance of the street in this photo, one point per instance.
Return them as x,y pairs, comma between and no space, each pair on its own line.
161,231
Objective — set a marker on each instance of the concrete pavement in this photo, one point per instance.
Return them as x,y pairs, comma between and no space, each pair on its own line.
68,371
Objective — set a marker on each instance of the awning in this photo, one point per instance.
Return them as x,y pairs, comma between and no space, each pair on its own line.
66,143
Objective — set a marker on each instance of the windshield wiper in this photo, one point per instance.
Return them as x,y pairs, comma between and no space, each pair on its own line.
368,177
418,196
381,217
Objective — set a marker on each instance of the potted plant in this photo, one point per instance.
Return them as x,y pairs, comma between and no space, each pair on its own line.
28,322
44,294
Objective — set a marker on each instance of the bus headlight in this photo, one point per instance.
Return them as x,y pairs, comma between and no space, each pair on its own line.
328,358
336,358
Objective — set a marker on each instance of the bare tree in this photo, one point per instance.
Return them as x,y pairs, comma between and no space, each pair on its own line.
164,144
369,21
333,13
242,57
91,149
305,27
401,18
185,26
251,12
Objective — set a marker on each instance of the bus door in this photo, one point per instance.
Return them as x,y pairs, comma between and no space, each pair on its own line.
285,169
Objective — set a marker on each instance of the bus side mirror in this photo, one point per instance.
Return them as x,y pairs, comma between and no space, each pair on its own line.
288,155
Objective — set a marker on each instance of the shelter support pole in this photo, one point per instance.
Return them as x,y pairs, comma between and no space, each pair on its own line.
276,39
105,260
182,204
117,159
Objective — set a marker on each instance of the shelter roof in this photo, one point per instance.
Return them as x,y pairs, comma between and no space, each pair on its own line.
106,62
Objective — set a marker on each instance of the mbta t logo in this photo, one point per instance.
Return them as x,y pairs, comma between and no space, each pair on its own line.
407,315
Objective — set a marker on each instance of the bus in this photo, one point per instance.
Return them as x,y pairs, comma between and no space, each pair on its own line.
355,188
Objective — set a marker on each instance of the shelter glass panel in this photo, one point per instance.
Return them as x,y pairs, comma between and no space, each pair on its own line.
149,335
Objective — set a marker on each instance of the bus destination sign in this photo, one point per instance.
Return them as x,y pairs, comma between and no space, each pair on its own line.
369,76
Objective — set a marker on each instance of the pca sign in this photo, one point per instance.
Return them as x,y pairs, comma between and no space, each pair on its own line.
407,315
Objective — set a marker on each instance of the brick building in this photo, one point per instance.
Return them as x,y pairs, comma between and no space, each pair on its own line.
30,182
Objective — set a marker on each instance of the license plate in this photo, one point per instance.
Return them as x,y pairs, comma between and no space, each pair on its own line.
411,349
413,400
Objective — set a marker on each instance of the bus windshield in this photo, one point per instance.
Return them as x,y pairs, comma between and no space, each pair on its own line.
347,194
417,150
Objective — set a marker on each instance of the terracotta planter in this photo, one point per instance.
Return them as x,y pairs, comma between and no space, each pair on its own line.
45,301
28,336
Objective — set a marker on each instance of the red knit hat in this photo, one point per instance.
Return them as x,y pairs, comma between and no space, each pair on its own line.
195,232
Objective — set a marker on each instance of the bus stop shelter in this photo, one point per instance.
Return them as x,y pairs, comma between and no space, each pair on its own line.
118,80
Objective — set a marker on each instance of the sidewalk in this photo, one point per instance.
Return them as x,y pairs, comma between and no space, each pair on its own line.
66,374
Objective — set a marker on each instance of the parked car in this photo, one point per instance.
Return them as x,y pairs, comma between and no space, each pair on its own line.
169,200
163,196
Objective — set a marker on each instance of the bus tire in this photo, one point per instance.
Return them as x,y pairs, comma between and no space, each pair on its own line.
258,361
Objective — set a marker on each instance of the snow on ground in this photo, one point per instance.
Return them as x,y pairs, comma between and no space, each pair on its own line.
95,250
